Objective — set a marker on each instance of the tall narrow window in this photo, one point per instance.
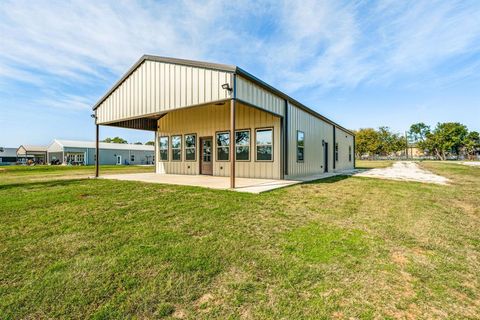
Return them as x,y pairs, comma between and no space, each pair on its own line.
163,147
300,146
176,148
223,146
190,147
336,151
264,144
242,145
350,153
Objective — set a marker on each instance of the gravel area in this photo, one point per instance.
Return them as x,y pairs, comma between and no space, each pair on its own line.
406,171
472,163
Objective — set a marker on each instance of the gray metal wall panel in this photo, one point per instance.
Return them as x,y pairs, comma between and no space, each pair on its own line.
315,131
156,87
254,94
344,140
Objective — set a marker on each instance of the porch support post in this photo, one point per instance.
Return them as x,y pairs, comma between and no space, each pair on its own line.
97,152
232,144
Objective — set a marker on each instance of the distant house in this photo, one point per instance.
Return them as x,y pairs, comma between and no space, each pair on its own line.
8,156
83,152
29,153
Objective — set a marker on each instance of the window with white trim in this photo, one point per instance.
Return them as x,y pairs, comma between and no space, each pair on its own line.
264,144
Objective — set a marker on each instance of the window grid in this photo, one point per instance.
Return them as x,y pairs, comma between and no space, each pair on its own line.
300,146
242,145
177,148
163,148
266,147
223,146
190,147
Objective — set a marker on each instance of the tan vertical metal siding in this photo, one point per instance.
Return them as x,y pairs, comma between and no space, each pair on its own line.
206,121
252,93
156,87
344,140
315,131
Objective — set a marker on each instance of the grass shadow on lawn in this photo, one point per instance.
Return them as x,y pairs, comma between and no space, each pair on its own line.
334,179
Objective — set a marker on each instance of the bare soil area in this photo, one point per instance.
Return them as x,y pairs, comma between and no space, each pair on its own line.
405,171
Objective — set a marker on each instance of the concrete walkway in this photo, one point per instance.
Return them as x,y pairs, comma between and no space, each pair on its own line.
223,183
404,171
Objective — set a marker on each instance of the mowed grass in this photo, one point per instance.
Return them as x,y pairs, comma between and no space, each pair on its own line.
14,174
338,248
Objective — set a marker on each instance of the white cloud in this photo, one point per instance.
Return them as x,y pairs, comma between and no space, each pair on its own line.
312,44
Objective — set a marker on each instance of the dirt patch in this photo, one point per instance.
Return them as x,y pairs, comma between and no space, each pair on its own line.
404,171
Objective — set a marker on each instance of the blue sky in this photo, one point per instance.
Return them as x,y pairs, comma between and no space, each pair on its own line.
360,63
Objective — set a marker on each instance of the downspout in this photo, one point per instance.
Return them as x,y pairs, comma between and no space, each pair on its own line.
285,137
334,147
354,153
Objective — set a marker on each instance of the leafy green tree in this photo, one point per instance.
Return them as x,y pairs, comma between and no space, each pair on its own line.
389,142
446,138
139,143
149,143
418,135
115,140
472,143
366,142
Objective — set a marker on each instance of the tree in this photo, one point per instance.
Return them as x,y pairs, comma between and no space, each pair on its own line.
366,142
139,143
418,134
149,143
472,143
115,140
446,138
389,142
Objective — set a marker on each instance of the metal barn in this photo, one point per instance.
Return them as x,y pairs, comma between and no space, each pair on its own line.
195,108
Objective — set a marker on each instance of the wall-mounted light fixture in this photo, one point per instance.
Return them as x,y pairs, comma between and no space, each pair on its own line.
323,142
226,86
93,116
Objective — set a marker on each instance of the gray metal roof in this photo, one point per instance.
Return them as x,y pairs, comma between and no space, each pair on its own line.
220,67
103,145
33,148
8,152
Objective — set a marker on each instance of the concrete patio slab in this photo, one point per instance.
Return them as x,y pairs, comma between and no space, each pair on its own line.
222,183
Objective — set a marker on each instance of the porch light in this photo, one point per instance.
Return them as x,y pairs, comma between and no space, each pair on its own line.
226,86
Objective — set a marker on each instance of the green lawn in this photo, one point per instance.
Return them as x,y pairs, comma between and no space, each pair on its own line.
338,248
15,174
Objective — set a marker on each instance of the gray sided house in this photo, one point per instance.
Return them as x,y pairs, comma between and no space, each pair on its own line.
8,156
83,152
220,120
